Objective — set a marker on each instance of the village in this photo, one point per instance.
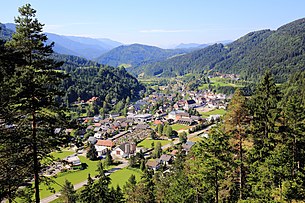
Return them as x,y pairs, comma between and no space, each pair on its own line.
150,134
123,136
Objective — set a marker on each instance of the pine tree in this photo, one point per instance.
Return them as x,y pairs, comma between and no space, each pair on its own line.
291,158
265,112
92,153
36,85
210,166
87,195
102,186
129,188
116,195
108,159
68,194
236,121
14,161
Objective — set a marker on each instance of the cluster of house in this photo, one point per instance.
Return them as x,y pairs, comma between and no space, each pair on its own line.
167,159
201,98
120,134
206,98
231,76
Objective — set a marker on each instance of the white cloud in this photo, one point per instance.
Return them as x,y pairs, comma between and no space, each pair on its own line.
164,31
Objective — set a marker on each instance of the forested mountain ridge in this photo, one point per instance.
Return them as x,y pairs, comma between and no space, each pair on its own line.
137,54
90,79
282,51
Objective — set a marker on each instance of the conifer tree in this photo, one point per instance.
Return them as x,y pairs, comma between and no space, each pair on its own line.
291,159
36,85
14,162
265,112
92,153
264,130
68,194
210,166
129,188
235,124
87,195
101,187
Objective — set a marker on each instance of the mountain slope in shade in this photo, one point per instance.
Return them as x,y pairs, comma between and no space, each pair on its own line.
137,54
282,51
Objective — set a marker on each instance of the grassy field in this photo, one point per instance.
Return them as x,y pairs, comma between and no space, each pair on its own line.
180,127
121,177
195,139
62,154
213,112
219,82
117,178
147,143
73,176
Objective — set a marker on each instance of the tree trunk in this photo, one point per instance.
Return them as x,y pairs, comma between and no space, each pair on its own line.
216,185
241,181
35,158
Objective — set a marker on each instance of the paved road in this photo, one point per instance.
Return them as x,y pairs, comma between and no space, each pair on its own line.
199,132
176,140
79,185
123,165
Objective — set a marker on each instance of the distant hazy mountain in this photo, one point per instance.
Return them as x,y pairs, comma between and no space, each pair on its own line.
78,46
187,46
88,48
281,51
136,54
10,26
5,33
106,44
224,42
197,46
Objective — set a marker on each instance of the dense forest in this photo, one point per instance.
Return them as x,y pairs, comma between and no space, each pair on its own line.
137,54
281,51
89,79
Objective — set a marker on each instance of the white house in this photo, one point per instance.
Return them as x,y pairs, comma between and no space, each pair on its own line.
98,135
143,118
101,150
73,160
124,150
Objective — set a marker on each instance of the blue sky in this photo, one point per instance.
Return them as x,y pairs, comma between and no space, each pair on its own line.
159,22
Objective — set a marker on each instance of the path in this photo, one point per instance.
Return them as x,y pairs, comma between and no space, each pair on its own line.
81,184
194,134
176,140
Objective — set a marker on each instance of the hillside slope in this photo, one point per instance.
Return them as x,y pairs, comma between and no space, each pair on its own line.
137,54
86,47
282,51
90,79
